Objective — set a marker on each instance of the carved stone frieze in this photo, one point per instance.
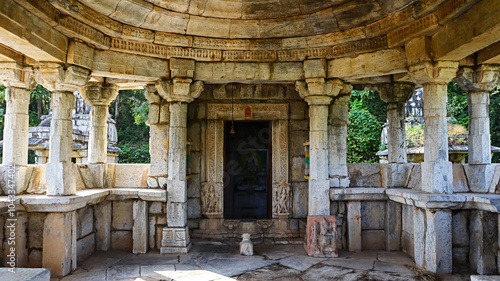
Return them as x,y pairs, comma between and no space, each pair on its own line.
84,32
134,33
140,48
258,56
222,111
196,54
414,29
223,44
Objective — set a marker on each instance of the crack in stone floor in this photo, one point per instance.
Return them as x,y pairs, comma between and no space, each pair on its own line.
208,262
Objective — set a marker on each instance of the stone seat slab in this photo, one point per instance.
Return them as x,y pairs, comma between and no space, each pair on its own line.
44,203
25,274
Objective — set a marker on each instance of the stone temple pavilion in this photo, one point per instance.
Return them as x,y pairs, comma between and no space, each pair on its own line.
248,118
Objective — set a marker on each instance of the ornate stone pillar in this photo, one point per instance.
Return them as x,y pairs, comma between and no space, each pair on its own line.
478,82
62,81
158,121
437,175
318,92
178,91
433,228
338,119
18,81
396,95
99,96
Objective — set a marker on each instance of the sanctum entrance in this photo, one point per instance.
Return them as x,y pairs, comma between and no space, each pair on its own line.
247,170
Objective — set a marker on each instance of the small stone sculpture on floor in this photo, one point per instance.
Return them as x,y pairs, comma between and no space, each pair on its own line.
246,246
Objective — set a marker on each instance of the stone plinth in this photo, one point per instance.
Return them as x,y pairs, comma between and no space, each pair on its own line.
321,236
175,240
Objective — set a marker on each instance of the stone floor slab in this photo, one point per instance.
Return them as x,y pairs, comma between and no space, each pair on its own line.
324,272
300,263
152,270
117,272
272,272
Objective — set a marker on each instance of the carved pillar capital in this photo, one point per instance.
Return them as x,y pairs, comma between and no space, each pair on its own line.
320,91
440,72
57,77
179,89
397,92
13,74
97,93
480,78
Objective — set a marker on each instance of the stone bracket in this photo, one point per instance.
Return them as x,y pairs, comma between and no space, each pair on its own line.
481,78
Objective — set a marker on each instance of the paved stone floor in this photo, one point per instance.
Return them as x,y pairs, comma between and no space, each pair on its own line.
271,262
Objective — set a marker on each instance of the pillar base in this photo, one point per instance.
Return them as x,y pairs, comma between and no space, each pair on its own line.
340,181
322,237
60,178
22,175
175,240
157,182
437,177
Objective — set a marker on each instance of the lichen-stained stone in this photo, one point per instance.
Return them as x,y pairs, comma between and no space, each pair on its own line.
121,240
459,179
85,247
373,214
103,218
131,175
364,175
85,221
122,215
359,12
140,228
373,239
300,198
59,246
354,225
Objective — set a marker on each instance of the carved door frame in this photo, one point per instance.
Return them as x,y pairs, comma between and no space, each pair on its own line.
212,190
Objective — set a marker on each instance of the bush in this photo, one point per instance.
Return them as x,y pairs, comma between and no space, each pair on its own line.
363,135
134,153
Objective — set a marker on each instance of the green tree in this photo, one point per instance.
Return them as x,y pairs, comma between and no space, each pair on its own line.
363,134
133,133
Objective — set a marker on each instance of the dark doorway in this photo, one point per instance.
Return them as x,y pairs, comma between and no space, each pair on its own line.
247,170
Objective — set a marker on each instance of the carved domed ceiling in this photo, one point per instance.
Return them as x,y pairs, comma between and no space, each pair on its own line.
247,18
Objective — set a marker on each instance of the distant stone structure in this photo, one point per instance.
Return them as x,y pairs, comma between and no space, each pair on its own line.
39,136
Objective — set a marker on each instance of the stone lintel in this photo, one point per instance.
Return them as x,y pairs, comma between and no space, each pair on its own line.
315,68
99,94
59,77
484,77
439,72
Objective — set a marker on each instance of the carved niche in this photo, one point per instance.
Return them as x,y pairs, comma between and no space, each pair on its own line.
213,188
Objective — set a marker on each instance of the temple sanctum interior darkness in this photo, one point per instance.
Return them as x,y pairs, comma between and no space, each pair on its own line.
248,106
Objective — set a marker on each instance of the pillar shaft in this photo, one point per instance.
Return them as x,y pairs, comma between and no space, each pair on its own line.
338,120
16,134
98,136
479,127
60,169
396,146
437,174
158,120
319,184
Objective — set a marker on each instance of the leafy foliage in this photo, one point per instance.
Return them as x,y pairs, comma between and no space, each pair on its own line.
133,133
363,133
370,100
457,104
